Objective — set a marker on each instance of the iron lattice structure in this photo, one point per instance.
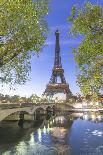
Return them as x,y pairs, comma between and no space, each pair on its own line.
53,87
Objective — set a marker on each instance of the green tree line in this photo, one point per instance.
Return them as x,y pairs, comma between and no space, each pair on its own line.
88,22
23,30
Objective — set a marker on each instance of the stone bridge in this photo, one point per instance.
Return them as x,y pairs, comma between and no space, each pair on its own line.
5,112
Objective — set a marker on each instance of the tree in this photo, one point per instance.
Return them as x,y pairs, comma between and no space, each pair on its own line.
88,21
15,99
23,32
35,99
7,98
1,97
24,100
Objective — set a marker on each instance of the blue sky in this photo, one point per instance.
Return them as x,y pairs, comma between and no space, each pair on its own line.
42,66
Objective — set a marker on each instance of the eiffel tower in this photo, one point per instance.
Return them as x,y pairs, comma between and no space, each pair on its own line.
53,87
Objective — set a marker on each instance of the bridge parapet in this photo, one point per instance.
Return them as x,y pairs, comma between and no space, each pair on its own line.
5,112
17,105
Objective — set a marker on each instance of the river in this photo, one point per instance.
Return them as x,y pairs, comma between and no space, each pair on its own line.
71,134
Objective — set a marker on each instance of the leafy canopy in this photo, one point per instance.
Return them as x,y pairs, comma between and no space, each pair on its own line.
88,21
23,31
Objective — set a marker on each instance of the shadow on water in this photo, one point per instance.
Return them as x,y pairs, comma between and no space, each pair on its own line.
11,134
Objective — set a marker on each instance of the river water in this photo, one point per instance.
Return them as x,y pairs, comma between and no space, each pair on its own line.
71,134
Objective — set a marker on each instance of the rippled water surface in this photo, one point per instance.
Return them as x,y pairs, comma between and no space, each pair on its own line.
73,134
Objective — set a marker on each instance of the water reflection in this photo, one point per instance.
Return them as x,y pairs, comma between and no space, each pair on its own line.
89,136
53,136
59,132
91,116
72,134
97,133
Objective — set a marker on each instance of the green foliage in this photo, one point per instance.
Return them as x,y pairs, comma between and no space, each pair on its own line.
88,22
14,99
7,98
23,31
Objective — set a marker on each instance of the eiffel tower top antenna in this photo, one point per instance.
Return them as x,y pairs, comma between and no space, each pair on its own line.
57,61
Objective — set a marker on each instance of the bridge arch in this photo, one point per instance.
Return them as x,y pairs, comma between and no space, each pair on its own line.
12,111
49,108
37,109
43,107
30,110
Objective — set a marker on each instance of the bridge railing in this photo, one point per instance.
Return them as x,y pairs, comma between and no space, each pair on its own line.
17,105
